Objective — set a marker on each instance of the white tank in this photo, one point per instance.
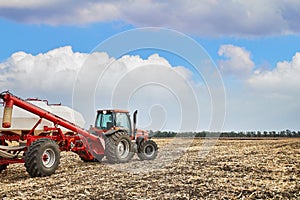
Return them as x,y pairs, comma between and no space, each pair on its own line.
23,120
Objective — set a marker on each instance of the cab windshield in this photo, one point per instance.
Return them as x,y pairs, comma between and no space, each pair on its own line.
122,121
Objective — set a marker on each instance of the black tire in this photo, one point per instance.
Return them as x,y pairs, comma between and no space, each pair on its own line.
4,166
42,158
147,150
118,148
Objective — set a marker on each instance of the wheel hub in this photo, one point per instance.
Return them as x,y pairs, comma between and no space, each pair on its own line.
149,150
48,158
123,148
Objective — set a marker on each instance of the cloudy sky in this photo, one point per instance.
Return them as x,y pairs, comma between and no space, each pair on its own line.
50,49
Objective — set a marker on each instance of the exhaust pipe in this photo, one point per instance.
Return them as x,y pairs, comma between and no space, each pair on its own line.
134,123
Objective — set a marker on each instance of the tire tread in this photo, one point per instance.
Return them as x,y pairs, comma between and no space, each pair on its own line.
32,162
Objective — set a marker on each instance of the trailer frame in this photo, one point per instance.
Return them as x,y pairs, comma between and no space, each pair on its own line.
87,145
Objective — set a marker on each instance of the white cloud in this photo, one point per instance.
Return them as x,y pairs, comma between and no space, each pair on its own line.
26,4
209,18
266,99
237,60
144,84
150,85
51,72
284,78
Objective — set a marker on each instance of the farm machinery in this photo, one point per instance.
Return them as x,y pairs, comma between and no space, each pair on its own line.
113,136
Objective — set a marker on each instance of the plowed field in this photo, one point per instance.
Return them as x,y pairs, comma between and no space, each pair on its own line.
232,169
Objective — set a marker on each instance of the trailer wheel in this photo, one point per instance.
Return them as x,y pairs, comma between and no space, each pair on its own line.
118,148
4,166
147,150
42,158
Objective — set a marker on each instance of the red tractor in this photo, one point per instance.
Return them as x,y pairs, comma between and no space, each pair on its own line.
113,136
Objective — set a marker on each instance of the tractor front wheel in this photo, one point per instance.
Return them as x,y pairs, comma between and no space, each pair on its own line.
42,158
118,148
147,150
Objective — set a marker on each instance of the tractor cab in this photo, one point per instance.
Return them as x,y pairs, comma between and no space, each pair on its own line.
115,120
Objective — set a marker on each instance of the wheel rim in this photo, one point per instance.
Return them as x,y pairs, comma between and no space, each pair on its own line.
149,150
48,158
123,148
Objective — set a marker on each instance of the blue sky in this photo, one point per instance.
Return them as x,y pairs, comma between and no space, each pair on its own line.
40,38
246,40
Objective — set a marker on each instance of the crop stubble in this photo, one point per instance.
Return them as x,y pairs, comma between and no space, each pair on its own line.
234,169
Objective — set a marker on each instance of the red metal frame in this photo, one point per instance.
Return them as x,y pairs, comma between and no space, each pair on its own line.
78,140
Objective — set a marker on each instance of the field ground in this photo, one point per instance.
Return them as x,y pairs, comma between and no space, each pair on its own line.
233,169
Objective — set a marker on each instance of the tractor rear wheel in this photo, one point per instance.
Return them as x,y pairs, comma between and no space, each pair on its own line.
147,150
42,158
119,148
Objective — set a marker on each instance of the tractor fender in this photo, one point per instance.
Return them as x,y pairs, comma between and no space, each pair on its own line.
139,140
111,132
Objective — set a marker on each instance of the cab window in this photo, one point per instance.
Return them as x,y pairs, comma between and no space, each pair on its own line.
122,121
104,121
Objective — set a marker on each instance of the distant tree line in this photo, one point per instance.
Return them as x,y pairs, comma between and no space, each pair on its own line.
284,133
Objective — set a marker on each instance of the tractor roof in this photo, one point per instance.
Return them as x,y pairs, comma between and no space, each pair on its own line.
113,111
